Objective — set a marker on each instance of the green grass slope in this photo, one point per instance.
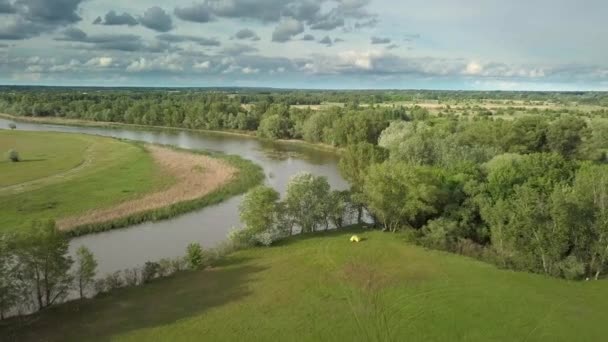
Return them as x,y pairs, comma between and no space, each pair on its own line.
324,288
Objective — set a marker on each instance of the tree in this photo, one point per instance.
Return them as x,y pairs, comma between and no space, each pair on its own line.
412,142
354,164
306,200
566,135
403,195
43,254
9,269
528,134
194,256
258,211
86,269
337,208
591,193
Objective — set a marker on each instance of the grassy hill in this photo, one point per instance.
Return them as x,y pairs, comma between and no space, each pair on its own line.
323,288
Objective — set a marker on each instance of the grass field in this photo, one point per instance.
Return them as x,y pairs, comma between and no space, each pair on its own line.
67,174
323,288
40,157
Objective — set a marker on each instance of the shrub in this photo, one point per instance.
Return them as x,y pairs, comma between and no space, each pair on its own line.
571,268
12,126
439,234
164,267
132,277
268,237
178,264
13,156
194,256
150,271
100,286
114,281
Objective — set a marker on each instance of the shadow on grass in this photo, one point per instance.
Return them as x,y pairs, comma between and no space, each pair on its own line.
347,231
161,302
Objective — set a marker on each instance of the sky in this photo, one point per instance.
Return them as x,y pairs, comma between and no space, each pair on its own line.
320,44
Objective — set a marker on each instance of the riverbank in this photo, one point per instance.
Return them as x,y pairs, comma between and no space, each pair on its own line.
195,176
96,184
105,124
322,287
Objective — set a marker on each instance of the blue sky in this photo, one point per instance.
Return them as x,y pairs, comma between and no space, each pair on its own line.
431,44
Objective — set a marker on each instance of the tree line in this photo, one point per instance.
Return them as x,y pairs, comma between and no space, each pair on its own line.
37,270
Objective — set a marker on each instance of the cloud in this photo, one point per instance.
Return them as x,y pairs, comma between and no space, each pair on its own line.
327,23
198,13
372,22
102,62
326,41
178,38
17,28
392,47
57,12
379,40
155,18
119,42
239,49
111,18
473,68
308,37
206,65
170,63
286,30
31,18
6,7
246,34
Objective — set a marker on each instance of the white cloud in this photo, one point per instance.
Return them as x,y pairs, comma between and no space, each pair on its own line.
202,66
249,70
473,68
102,62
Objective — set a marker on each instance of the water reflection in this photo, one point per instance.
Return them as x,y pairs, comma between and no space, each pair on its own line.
126,248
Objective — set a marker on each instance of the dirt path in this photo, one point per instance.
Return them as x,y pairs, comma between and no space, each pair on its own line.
197,175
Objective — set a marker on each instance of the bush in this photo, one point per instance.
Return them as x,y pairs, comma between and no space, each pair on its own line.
100,286
177,265
12,126
150,271
165,267
132,277
438,234
13,156
114,281
571,268
194,256
268,237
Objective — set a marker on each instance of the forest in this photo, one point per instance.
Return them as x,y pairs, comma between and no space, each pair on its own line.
513,178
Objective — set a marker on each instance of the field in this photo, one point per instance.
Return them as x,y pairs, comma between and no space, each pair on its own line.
323,288
106,171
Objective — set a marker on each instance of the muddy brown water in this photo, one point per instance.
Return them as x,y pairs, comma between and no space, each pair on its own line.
133,246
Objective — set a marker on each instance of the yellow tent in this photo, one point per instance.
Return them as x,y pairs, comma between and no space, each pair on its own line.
355,238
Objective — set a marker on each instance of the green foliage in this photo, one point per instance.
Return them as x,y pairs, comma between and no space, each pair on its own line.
194,256
306,200
43,254
566,135
86,269
402,195
12,125
13,156
259,209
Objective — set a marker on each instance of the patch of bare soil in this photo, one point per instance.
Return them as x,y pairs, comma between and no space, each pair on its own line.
196,176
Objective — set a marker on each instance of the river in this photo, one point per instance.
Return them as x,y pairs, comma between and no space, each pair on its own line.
133,246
